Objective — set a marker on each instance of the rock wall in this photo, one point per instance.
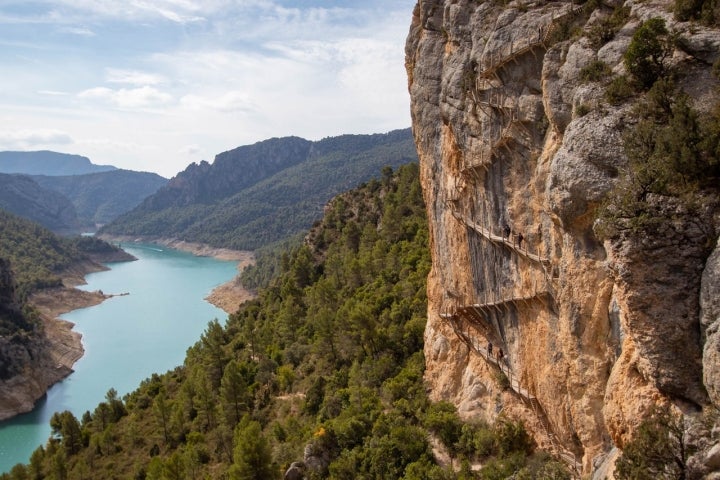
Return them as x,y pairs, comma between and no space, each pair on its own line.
516,154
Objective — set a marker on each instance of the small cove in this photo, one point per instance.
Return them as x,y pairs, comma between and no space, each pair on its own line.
126,338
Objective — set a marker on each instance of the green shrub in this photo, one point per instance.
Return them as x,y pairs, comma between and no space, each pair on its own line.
502,379
476,440
605,29
703,10
658,450
595,71
648,49
442,419
543,467
672,151
582,109
502,468
619,90
511,437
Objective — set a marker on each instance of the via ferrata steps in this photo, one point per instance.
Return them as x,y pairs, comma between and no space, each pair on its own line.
542,39
501,303
474,346
498,239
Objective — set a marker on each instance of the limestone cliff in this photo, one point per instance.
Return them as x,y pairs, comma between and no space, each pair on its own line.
516,154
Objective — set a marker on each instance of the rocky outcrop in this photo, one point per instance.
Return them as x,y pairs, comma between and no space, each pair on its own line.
33,355
517,152
44,361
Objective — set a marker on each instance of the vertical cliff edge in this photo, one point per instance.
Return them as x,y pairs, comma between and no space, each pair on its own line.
519,147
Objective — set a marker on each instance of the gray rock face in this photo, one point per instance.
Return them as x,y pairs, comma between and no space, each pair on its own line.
513,141
710,322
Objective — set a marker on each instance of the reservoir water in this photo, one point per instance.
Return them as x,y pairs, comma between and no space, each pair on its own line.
126,338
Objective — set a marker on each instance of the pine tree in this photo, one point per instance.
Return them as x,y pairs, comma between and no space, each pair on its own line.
252,458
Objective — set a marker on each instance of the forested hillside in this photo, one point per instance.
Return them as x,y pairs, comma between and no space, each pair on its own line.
320,375
38,257
258,194
101,197
33,258
23,196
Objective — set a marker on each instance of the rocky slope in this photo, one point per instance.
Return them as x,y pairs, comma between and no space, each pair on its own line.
36,349
38,271
517,152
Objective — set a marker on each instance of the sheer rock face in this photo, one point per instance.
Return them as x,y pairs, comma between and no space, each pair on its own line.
516,154
710,321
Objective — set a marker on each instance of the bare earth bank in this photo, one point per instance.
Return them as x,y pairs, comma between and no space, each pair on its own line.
57,348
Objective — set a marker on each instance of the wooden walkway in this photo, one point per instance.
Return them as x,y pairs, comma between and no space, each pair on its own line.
501,303
476,347
501,240
541,41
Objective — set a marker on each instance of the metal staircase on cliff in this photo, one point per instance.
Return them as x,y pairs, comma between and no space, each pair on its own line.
476,347
542,40
487,91
507,241
490,95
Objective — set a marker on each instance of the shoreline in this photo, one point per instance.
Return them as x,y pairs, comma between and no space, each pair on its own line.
63,345
57,346
228,296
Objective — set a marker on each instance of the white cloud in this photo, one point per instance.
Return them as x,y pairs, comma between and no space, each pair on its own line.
129,98
53,93
27,139
175,11
232,101
80,31
133,77
253,69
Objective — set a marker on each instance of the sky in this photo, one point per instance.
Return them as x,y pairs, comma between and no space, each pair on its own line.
154,85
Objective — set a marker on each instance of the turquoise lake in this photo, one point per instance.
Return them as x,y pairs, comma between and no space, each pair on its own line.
126,338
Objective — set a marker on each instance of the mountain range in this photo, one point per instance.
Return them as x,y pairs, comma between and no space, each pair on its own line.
68,193
262,193
103,196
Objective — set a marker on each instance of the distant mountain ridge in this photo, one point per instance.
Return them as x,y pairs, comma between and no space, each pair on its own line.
261,193
22,196
206,183
45,162
101,197
68,193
